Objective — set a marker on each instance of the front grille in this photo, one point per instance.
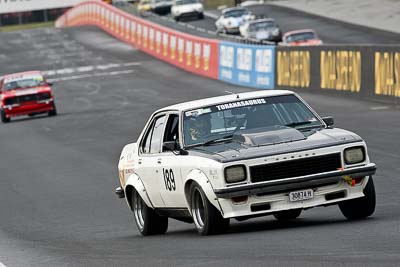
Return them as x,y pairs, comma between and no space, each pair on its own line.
295,168
27,98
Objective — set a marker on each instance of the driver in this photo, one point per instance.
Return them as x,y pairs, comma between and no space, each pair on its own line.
199,128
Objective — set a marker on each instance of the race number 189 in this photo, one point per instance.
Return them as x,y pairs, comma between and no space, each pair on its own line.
169,179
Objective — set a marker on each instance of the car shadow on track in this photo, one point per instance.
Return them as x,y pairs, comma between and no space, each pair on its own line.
274,225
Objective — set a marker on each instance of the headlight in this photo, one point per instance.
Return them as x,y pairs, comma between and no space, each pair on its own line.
235,174
275,32
354,155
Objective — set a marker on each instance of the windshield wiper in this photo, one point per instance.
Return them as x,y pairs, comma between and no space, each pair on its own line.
219,139
212,141
301,123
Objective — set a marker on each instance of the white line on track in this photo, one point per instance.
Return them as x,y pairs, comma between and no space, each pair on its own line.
83,76
89,68
379,108
2,264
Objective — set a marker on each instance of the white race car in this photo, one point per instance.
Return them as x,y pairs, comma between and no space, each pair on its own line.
187,8
232,18
242,156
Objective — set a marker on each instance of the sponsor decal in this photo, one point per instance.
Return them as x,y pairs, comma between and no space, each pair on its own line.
243,103
387,73
293,68
341,70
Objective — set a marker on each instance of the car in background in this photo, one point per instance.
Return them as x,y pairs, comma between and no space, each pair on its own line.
306,37
241,156
161,7
261,30
187,8
232,18
25,93
144,6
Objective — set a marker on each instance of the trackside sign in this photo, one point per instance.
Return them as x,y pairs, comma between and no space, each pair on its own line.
11,6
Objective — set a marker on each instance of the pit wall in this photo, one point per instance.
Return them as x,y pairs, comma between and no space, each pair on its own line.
364,71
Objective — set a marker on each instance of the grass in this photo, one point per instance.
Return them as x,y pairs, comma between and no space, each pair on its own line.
213,4
27,26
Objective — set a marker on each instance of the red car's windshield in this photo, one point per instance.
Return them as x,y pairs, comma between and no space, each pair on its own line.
24,82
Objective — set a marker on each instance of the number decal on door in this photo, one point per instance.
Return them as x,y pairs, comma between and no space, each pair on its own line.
169,180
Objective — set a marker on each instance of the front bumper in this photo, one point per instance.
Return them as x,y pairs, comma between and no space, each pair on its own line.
29,108
270,197
294,183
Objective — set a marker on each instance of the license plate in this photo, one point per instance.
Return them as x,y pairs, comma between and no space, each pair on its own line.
301,195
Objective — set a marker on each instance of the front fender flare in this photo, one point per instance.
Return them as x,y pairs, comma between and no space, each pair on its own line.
135,183
201,178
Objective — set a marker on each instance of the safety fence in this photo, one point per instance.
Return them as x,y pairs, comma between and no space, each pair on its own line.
366,71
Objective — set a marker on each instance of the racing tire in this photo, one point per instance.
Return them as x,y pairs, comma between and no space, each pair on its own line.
287,215
53,112
147,220
200,16
360,208
4,118
176,19
207,219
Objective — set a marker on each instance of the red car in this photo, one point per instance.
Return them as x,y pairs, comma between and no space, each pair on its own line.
301,38
25,93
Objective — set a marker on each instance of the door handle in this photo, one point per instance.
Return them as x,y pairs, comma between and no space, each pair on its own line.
159,161
139,161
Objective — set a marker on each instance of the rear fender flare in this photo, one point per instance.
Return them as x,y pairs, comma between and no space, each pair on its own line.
135,183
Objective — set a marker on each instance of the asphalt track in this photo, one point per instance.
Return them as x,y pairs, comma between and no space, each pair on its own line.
57,175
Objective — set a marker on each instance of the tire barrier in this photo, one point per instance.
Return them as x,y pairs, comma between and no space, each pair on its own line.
353,70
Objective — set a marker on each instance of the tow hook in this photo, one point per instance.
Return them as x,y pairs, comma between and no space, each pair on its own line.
120,192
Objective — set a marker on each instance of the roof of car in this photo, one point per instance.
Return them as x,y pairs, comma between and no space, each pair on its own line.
299,31
224,99
19,74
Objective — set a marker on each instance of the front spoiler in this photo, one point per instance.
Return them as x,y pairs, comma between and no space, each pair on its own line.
294,183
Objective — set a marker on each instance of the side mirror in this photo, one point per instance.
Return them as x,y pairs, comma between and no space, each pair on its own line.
328,121
170,146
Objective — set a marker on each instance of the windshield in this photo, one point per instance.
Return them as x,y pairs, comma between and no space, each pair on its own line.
221,121
235,13
259,26
301,37
23,82
186,2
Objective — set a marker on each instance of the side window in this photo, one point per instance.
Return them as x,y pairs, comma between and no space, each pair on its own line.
172,129
152,140
145,147
155,143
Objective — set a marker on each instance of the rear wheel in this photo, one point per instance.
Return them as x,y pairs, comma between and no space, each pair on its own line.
200,16
4,118
207,219
147,220
360,208
287,215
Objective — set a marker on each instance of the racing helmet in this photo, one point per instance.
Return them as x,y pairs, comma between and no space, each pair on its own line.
199,127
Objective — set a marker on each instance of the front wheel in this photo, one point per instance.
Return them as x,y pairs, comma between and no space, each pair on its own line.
363,207
4,118
207,219
53,112
147,220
